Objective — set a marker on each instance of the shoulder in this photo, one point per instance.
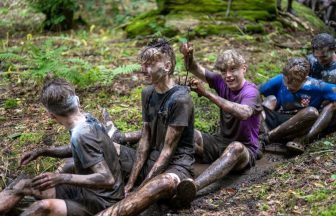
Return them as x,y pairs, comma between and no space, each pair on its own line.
146,91
182,93
250,88
80,133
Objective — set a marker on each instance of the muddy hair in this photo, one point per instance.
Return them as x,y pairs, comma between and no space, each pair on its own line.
296,67
323,40
157,50
59,97
229,59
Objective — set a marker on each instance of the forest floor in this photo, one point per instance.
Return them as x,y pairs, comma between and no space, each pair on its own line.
278,185
305,184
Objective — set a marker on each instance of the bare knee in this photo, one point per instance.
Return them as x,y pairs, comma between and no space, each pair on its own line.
311,113
236,148
270,102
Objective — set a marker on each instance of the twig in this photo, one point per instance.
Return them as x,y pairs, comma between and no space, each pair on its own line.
324,151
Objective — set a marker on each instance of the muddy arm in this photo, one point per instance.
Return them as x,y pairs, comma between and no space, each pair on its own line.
141,156
240,111
100,178
172,138
57,152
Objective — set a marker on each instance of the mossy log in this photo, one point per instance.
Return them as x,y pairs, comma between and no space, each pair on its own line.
205,17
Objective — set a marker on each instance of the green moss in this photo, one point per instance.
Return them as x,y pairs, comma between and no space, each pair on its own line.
329,212
308,15
254,15
204,30
30,138
11,103
254,28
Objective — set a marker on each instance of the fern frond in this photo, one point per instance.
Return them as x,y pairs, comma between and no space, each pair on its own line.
10,56
125,69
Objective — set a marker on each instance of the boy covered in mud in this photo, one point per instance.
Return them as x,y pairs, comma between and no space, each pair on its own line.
292,103
97,182
236,145
165,152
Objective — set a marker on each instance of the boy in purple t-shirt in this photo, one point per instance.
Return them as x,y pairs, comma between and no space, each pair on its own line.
235,147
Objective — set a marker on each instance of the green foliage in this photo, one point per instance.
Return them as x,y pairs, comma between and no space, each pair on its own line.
59,13
11,103
30,138
329,212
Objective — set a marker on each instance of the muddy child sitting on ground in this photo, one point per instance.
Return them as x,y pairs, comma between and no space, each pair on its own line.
97,182
236,145
292,104
165,152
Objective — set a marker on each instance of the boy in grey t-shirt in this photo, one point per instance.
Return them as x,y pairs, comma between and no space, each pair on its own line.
97,182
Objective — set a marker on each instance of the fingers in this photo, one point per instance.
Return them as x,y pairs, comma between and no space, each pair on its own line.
43,181
25,159
186,49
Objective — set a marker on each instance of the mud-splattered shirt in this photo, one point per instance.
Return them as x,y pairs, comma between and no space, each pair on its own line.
172,108
326,73
90,145
312,93
244,131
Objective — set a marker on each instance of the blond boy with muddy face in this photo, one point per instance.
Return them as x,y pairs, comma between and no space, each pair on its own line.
236,145
292,104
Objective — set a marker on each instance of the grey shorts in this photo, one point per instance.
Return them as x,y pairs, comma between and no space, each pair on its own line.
80,201
215,145
127,159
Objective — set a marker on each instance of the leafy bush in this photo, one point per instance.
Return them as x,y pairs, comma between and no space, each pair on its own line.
59,13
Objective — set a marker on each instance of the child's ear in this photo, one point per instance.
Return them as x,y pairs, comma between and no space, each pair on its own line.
168,66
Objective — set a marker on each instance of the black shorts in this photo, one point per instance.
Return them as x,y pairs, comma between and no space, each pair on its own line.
127,160
80,201
274,118
215,145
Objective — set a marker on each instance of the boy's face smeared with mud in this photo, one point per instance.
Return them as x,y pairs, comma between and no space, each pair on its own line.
155,68
324,56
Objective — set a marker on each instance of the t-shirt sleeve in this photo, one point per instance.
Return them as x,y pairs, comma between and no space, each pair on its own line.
328,91
214,80
180,111
252,99
88,149
272,86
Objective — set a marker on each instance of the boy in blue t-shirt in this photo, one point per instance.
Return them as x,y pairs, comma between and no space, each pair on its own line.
292,104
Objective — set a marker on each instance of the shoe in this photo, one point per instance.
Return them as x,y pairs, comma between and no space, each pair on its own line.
185,194
295,147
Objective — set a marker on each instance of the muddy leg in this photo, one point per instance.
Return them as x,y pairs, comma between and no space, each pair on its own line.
198,141
270,102
47,207
303,120
322,122
162,186
235,156
115,134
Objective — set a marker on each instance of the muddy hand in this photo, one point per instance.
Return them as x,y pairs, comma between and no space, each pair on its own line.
197,86
28,157
188,53
46,180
